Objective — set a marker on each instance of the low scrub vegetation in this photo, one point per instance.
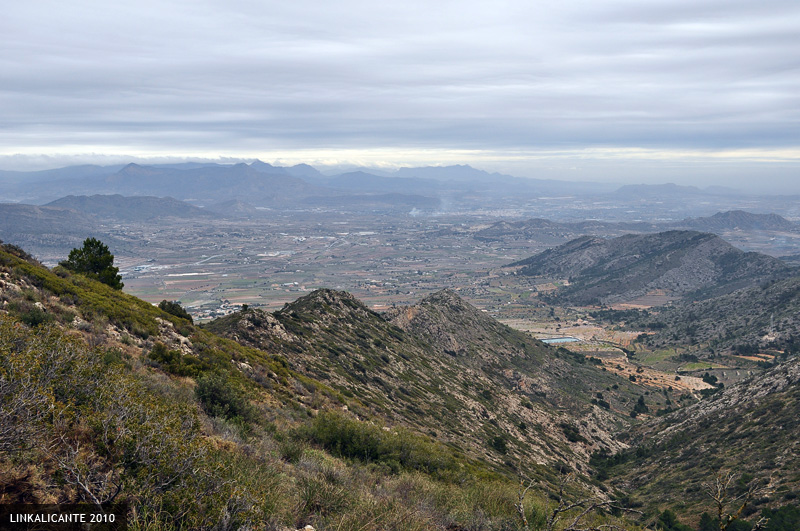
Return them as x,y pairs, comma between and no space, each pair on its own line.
395,450
105,398
77,426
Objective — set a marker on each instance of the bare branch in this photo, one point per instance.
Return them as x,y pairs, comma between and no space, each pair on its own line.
520,505
588,506
719,491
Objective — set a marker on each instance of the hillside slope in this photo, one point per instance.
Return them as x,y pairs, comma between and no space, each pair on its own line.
326,413
750,429
132,208
747,321
41,227
739,220
443,367
678,263
106,397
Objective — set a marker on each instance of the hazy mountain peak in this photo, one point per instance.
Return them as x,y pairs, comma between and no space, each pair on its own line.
740,219
135,169
459,172
132,208
304,170
264,167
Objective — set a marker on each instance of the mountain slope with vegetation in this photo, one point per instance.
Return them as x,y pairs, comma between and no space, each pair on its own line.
739,220
108,398
457,374
750,430
42,227
554,232
681,264
322,413
746,322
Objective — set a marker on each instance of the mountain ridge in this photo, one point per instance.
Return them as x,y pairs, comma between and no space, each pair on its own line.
475,385
680,263
130,208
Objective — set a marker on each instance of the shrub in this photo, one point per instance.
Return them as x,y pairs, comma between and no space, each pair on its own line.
219,397
668,521
291,450
397,449
174,308
499,444
641,406
572,433
321,497
36,316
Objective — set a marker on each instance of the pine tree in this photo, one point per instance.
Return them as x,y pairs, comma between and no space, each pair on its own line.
95,261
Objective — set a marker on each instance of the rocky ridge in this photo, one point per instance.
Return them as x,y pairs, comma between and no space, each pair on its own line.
442,366
683,264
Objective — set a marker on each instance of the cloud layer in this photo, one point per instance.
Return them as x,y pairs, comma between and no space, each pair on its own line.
248,77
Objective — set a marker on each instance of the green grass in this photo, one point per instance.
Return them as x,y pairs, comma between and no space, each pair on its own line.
655,356
701,365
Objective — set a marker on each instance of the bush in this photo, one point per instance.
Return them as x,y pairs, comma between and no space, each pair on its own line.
36,316
318,496
175,362
499,444
174,308
668,521
291,450
640,406
397,449
219,397
58,396
572,433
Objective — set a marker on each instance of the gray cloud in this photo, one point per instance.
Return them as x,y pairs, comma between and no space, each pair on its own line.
243,76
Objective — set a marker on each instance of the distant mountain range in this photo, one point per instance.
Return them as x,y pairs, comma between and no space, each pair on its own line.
58,174
676,263
216,183
264,184
460,188
201,183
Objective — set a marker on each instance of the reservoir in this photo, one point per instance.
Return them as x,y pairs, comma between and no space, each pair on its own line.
556,340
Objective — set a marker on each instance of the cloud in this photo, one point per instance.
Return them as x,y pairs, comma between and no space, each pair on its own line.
246,76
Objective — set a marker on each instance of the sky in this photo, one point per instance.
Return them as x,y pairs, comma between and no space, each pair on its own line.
611,90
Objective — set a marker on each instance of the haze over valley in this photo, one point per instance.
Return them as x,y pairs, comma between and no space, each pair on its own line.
258,234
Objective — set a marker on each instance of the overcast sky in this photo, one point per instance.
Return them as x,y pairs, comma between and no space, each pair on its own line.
620,90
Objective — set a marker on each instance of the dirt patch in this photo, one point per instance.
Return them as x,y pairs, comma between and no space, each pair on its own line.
654,298
619,364
757,357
